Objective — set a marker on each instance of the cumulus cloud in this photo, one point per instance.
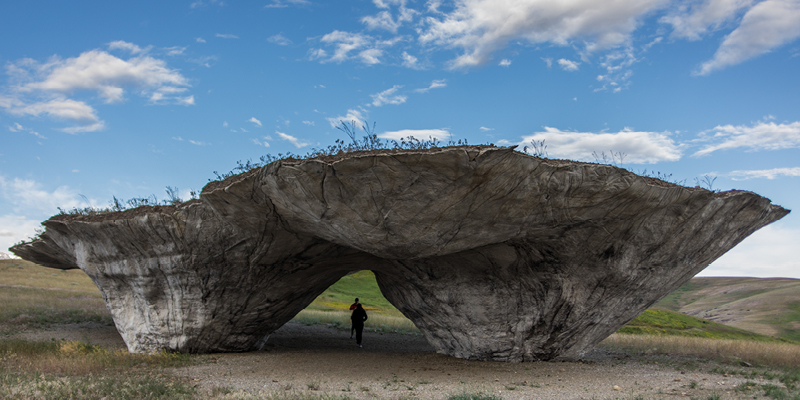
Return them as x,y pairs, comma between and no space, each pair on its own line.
766,26
14,228
692,20
45,89
568,65
769,252
421,134
255,121
106,74
293,140
480,27
638,147
741,175
485,129
760,136
504,63
226,36
388,96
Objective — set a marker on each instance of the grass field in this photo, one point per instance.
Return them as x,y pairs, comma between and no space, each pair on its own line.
33,297
766,306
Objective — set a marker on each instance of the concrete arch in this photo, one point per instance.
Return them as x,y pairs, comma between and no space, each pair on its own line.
493,254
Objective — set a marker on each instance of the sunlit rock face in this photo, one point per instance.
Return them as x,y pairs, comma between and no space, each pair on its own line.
493,254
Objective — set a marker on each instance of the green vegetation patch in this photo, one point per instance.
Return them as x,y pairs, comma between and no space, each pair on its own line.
361,284
665,322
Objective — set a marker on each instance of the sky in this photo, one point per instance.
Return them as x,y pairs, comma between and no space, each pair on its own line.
104,99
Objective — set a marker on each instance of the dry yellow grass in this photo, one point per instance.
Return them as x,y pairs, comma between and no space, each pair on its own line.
782,355
25,273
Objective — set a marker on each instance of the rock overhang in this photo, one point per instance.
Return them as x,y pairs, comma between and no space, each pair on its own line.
494,254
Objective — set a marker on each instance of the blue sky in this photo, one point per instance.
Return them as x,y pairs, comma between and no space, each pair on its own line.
102,99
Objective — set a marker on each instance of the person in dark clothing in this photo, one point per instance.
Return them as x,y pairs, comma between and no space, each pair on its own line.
353,326
358,317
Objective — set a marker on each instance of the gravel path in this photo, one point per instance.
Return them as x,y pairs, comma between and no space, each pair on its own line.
320,360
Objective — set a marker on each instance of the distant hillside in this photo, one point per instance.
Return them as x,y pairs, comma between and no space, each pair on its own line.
769,306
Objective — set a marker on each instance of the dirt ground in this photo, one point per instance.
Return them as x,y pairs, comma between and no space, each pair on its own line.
321,360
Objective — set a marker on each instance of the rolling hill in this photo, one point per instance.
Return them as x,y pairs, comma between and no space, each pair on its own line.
769,306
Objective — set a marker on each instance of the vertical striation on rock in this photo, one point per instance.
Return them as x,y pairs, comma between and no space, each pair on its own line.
493,254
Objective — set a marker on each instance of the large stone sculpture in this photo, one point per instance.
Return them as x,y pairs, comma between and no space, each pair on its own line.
493,254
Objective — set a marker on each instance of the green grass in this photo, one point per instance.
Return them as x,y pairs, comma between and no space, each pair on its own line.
361,284
665,322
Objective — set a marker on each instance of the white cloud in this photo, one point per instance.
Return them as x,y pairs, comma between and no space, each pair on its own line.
198,143
122,45
97,126
485,129
99,71
309,123
568,65
224,124
226,36
19,128
548,61
352,115
421,134
59,107
279,39
44,89
14,228
773,173
766,26
760,136
618,73
199,40
388,97
293,140
370,56
28,197
480,27
260,143
175,50
769,252
382,20
286,3
437,83
255,121
348,45
638,147
410,61
692,20
504,62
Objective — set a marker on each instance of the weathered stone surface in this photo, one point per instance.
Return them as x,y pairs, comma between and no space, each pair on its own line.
493,254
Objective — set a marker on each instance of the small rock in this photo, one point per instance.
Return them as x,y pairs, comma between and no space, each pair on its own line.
617,388
676,380
274,380
745,364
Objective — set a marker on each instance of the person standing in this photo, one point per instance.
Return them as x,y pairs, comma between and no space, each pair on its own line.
358,317
352,326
